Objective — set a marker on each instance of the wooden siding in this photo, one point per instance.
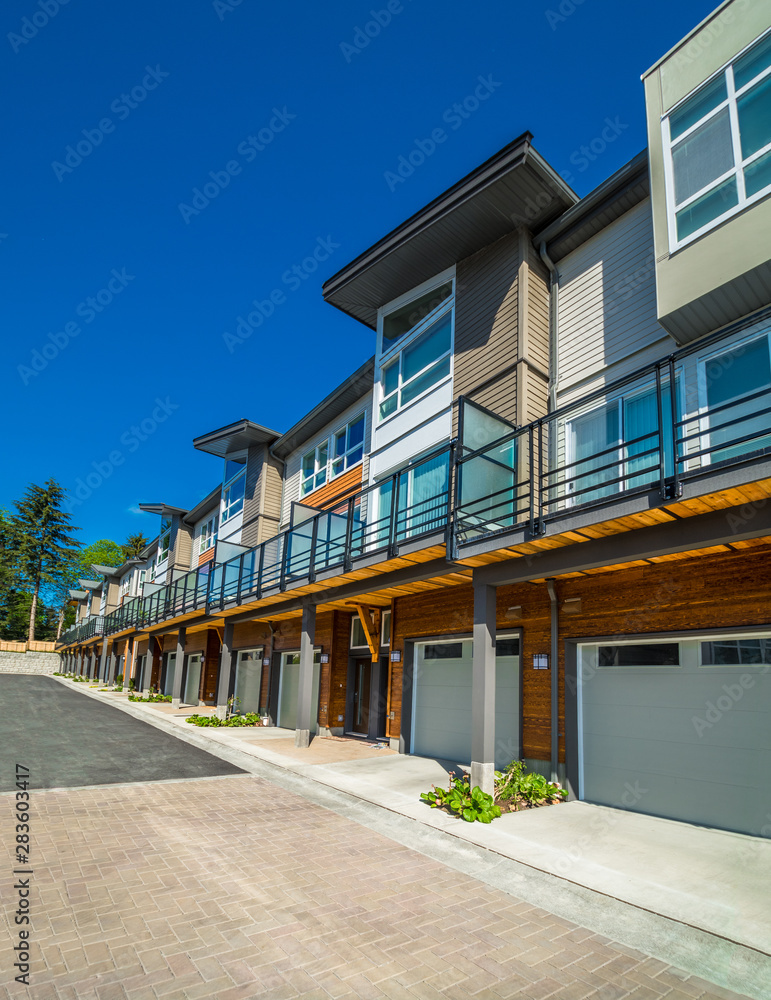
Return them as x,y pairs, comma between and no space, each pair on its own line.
343,485
486,309
253,495
206,556
724,590
607,302
293,470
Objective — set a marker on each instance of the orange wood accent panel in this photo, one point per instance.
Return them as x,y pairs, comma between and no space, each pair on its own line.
343,485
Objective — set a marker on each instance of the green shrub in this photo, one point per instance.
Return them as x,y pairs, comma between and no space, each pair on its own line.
520,789
250,719
150,697
471,804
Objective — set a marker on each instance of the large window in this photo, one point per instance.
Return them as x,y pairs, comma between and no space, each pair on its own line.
415,347
335,455
164,540
736,385
208,534
233,488
719,146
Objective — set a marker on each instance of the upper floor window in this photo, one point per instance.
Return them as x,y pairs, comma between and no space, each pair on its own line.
718,146
333,456
124,585
415,346
142,577
208,534
234,487
164,540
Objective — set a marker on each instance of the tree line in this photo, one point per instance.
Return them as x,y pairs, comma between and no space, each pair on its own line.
43,559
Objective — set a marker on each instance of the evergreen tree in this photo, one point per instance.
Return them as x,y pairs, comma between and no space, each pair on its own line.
45,546
134,545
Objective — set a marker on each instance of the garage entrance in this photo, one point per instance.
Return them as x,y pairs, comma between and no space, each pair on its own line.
678,728
441,711
289,686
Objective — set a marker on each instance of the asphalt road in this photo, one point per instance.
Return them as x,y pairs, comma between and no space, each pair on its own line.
67,740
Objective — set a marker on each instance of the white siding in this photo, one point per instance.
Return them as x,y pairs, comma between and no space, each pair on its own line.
293,472
607,305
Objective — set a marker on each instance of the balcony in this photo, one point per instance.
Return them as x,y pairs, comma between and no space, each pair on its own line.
688,426
630,446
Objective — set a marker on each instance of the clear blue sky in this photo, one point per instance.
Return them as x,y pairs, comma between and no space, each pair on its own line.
172,282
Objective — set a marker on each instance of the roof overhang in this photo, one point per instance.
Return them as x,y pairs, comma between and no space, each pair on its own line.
105,570
78,595
209,503
340,399
90,584
609,201
162,508
516,187
234,438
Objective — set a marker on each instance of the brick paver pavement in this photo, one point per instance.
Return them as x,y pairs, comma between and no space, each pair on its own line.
233,888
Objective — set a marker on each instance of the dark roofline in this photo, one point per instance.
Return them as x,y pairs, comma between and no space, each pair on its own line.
161,508
248,430
340,399
611,199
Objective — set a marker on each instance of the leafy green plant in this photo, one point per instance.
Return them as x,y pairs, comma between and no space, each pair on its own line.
471,804
132,685
119,679
518,788
250,719
150,697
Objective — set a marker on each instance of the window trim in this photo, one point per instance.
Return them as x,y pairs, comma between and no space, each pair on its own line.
210,535
328,469
394,353
162,555
740,163
225,514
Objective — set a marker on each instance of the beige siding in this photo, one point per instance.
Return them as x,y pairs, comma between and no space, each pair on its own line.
607,302
182,545
486,305
537,311
273,484
253,495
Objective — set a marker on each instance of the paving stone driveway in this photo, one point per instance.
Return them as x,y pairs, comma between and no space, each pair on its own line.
233,888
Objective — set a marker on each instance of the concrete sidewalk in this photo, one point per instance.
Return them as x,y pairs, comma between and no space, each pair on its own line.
694,892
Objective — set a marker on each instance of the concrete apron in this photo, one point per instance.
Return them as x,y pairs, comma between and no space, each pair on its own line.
692,896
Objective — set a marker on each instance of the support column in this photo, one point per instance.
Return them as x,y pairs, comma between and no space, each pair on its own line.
152,669
102,673
80,661
128,667
226,669
483,690
305,706
176,693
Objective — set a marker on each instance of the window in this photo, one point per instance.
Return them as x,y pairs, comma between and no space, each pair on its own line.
314,472
385,631
142,577
649,654
164,540
233,498
738,425
358,638
153,567
348,446
719,146
208,534
415,347
345,448
124,586
735,652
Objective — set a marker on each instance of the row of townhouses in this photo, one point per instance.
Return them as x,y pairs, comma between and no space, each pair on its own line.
535,524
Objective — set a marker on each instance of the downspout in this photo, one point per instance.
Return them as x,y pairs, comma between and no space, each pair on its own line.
554,289
554,663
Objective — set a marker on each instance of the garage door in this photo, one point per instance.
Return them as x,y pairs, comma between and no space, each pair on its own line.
288,687
246,693
679,729
442,700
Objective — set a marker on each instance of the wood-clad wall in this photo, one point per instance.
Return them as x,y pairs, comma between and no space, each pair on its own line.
731,589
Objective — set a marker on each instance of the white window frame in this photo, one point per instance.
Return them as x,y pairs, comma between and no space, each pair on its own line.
363,645
227,506
164,534
207,534
344,457
739,163
386,614
395,351
308,483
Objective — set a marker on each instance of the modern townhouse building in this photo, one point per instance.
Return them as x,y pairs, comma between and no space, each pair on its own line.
536,524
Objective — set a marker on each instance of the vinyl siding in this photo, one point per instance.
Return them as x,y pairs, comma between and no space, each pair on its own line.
607,303
273,484
486,311
255,462
293,473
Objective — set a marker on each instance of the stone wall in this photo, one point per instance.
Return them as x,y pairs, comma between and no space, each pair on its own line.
29,663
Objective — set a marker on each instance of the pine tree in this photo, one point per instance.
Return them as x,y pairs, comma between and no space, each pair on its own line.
45,546
134,545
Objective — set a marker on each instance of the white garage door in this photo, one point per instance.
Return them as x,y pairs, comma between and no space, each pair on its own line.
289,686
679,729
441,716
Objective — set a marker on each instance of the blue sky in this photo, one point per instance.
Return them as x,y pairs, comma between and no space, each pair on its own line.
119,283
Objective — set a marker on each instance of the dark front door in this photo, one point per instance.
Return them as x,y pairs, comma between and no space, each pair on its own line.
362,679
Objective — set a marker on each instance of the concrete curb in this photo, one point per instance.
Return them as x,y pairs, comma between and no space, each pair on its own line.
720,960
